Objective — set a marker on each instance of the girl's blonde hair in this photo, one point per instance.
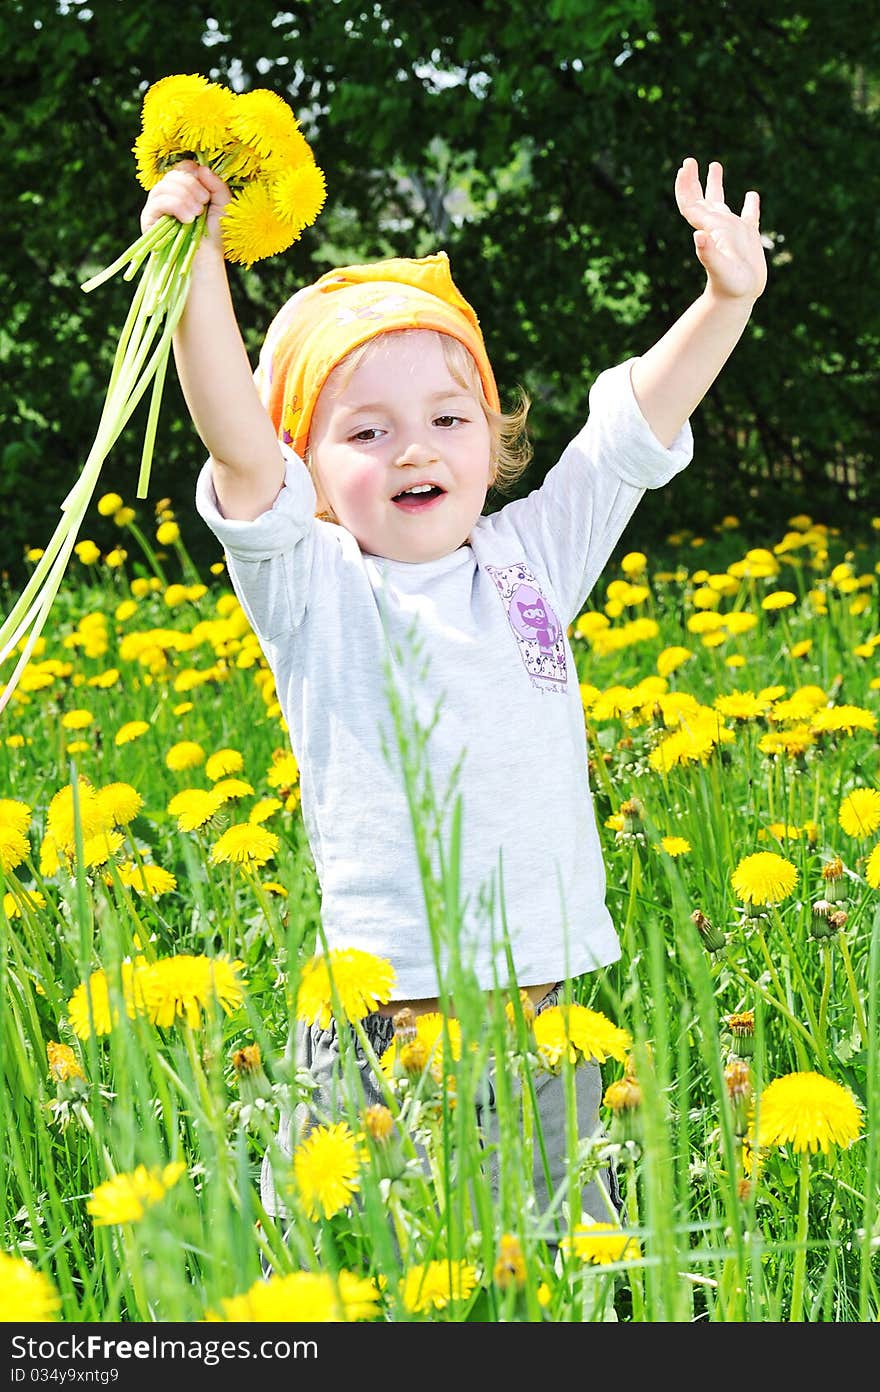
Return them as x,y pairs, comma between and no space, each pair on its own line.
509,446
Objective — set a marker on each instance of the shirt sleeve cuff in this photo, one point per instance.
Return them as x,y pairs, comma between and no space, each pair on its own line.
274,531
636,453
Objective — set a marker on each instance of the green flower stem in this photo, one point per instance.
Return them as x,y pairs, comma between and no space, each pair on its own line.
853,988
826,988
806,995
800,1257
152,421
161,292
139,249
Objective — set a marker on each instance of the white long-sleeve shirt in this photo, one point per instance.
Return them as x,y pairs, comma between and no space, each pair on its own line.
480,658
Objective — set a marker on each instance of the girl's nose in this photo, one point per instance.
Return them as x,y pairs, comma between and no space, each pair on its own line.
416,453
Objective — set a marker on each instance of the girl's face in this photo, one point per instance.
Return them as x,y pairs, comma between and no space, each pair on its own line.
401,451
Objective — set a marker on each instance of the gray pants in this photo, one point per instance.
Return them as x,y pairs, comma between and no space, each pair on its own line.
317,1050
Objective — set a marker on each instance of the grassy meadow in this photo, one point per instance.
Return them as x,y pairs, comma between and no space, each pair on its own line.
160,928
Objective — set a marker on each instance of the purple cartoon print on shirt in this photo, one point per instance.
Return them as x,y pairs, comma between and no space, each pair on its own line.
538,632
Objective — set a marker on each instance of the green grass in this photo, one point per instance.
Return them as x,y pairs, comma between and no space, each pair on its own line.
795,1239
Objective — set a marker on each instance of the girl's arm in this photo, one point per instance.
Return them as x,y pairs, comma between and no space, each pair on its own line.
671,379
212,363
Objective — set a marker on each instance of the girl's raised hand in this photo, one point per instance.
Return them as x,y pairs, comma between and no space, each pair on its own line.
183,193
729,247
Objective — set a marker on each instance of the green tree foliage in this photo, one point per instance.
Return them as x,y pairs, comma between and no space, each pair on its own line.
538,145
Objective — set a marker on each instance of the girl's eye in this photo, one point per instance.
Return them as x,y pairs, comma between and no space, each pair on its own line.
446,421
366,435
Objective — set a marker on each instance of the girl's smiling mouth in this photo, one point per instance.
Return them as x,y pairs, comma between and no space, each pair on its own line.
419,497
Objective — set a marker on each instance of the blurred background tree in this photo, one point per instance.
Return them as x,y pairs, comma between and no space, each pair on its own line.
538,145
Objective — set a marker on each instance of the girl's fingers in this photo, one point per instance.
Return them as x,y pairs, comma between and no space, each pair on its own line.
715,183
751,208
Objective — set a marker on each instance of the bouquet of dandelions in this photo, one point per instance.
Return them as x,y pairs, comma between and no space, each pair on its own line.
253,142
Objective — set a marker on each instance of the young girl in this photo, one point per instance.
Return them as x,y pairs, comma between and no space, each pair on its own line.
346,482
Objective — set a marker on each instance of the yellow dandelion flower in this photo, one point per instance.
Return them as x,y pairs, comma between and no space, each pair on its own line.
264,809
263,121
303,1297
427,1047
613,703
675,845
186,754
586,1034
185,985
791,743
27,898
361,982
741,705
126,1197
433,1285
14,813
104,1014
247,844
634,564
109,504
202,117
27,1296
97,850
740,622
60,819
131,730
872,869
808,1112
671,659
252,229
298,195
119,803
764,878
223,763
602,1244
273,887
228,789
147,879
77,719
591,623
510,1267
14,847
194,807
845,718
779,599
326,1165
859,813
284,772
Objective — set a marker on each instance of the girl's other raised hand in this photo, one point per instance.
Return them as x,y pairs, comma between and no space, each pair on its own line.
183,193
728,246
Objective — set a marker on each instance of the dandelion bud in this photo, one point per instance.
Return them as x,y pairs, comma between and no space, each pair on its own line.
742,1027
633,813
526,1006
378,1123
65,1072
252,1081
838,919
413,1056
738,1081
624,1098
247,1059
404,1026
714,939
820,924
510,1268
835,882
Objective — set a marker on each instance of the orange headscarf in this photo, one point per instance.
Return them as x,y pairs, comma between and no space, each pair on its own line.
321,324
